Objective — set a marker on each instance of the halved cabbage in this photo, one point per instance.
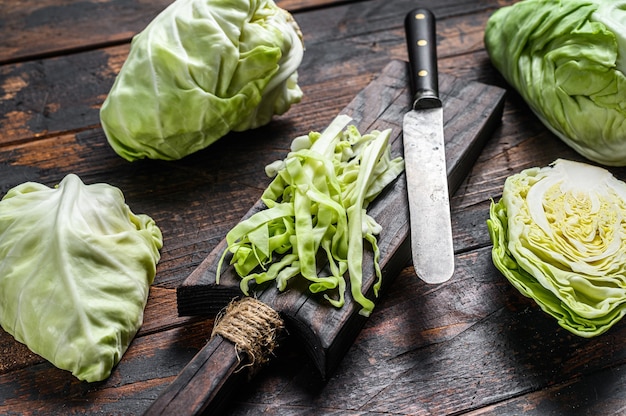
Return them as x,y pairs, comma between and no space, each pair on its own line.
75,269
559,236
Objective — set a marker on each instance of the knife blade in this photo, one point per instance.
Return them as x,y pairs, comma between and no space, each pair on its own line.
424,154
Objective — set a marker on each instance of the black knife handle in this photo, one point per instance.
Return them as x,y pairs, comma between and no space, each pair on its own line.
421,39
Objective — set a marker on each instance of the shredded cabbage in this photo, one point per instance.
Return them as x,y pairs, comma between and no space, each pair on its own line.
559,236
317,202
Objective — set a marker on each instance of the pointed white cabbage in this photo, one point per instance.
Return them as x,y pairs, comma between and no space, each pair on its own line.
75,269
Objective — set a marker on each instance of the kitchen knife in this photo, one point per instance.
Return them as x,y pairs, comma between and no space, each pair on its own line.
424,154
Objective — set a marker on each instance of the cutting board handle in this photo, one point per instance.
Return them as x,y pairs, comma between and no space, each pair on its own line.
203,383
243,340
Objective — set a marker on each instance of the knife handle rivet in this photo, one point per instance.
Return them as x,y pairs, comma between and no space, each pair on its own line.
420,16
422,73
422,42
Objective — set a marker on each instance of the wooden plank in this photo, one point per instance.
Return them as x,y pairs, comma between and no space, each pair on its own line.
35,29
600,393
205,383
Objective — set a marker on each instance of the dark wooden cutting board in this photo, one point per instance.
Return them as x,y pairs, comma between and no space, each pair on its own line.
472,111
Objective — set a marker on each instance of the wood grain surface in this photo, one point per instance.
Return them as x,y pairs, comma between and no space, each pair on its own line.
472,346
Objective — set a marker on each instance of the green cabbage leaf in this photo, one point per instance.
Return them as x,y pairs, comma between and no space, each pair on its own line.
567,59
201,69
75,269
559,237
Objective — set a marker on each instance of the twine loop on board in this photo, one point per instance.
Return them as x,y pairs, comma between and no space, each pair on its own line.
252,326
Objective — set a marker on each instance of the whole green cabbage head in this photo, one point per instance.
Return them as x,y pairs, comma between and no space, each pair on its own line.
201,69
567,59
75,269
559,236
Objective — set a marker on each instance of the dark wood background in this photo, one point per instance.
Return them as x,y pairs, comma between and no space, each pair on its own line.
472,346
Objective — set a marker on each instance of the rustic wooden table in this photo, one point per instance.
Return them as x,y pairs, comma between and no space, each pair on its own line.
471,346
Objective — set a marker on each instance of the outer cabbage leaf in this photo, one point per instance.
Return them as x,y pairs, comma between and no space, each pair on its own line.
559,236
567,59
201,69
75,269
